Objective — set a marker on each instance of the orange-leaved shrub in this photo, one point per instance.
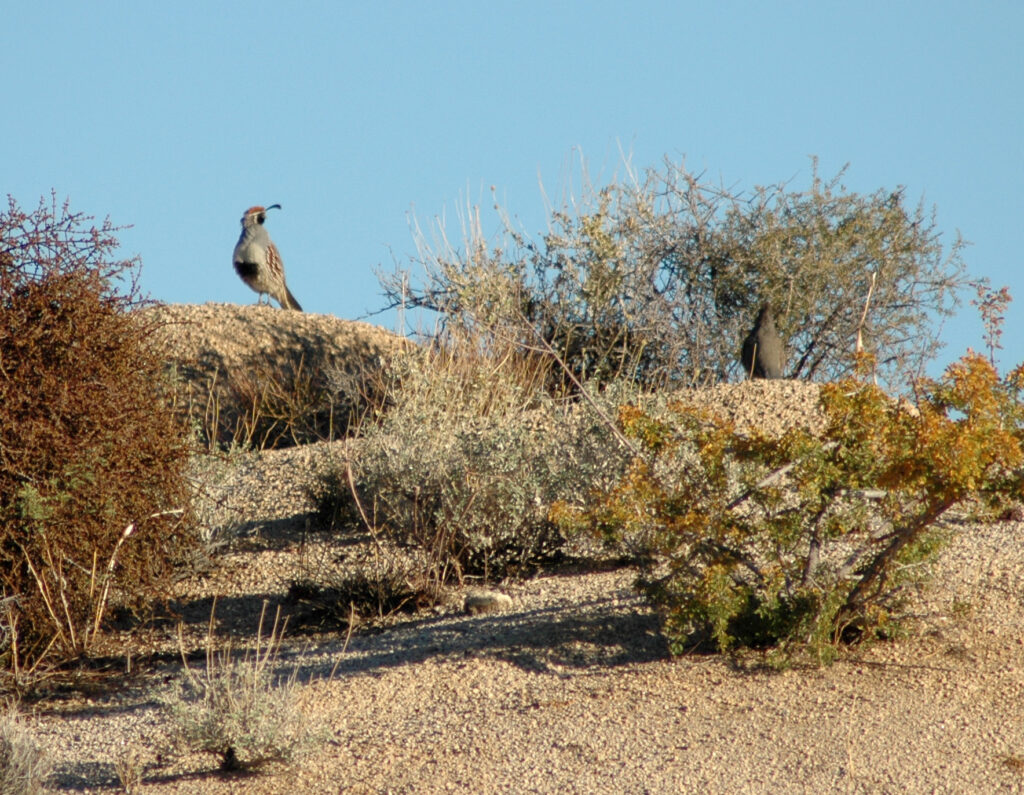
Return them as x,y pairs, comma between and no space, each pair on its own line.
803,542
93,495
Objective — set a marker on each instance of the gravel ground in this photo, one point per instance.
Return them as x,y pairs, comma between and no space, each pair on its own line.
572,688
573,691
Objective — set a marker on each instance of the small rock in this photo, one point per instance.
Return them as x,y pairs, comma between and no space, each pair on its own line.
478,602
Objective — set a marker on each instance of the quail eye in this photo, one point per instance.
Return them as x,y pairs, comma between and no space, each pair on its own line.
261,218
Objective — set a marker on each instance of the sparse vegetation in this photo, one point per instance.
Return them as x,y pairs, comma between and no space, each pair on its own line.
270,385
378,585
542,410
94,505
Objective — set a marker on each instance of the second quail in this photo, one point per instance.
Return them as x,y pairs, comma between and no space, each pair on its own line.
763,354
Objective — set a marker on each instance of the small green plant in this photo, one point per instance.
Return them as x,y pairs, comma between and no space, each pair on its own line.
24,767
803,542
239,709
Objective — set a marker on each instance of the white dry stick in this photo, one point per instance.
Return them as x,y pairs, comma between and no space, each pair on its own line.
101,606
863,318
109,575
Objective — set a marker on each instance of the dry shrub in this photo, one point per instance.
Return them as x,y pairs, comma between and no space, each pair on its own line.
374,588
271,406
130,767
253,377
93,498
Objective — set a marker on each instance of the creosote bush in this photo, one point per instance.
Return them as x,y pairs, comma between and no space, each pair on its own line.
93,497
801,543
658,277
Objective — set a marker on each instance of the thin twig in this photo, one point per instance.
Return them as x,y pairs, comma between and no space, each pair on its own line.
608,421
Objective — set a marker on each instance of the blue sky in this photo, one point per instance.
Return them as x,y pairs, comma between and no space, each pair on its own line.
174,118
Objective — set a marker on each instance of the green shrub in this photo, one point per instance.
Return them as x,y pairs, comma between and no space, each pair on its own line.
802,542
659,277
93,496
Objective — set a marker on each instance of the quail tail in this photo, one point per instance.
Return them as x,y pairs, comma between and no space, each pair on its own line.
290,302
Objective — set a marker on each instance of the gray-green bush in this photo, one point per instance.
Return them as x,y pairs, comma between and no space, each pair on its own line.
471,454
239,709
24,766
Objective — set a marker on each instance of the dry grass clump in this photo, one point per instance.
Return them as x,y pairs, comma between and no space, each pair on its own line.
248,376
130,767
24,767
239,709
271,405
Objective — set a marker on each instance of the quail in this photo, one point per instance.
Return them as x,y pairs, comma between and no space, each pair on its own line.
258,262
763,354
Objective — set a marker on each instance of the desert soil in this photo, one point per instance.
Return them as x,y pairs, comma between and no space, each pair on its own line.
572,689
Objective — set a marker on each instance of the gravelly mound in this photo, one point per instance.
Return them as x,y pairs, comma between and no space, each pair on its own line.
233,353
232,336
771,407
